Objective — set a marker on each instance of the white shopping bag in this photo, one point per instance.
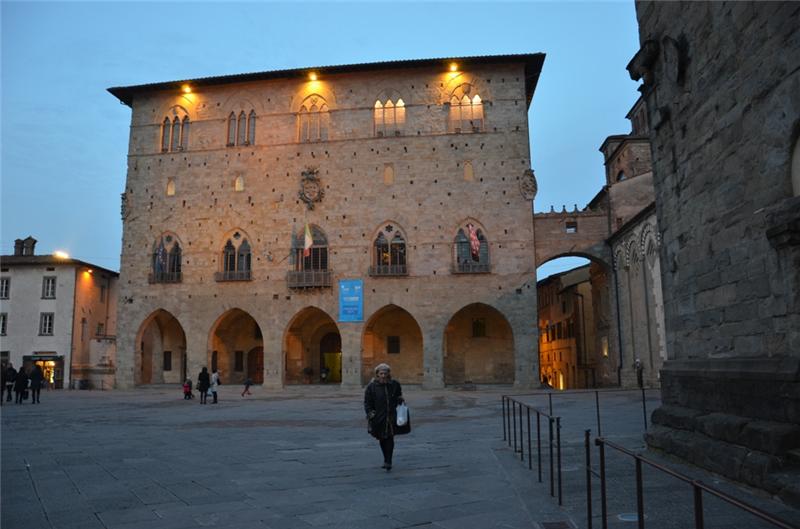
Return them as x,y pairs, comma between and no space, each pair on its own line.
402,415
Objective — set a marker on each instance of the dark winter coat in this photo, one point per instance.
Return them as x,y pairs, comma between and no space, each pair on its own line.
21,383
380,405
10,375
37,377
203,381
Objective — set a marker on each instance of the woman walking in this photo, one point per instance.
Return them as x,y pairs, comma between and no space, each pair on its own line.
37,378
203,383
20,385
381,398
215,382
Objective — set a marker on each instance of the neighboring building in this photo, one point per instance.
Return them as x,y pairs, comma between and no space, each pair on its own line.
618,232
567,330
59,313
253,201
722,87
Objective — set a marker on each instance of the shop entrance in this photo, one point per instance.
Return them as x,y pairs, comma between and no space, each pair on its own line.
52,366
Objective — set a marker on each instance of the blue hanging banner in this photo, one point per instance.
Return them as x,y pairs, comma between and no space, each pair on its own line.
351,300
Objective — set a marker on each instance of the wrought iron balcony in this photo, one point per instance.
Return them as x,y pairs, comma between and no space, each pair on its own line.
164,277
233,275
471,268
388,270
309,278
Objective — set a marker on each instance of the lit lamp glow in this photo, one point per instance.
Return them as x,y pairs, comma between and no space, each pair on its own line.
453,67
61,254
186,89
312,76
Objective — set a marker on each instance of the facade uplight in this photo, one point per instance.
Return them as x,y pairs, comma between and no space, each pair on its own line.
186,89
453,67
61,254
312,76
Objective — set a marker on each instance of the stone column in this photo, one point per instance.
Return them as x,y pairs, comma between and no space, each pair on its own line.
433,356
197,355
351,354
274,359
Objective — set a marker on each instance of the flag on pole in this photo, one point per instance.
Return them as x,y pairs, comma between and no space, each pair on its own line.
474,243
308,243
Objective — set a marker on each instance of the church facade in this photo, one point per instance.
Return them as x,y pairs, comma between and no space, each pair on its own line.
305,225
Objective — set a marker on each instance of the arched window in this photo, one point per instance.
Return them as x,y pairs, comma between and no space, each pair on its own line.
176,135
310,259
236,262
231,129
170,187
241,131
466,111
389,253
185,133
238,184
251,128
389,117
313,120
166,128
166,261
469,173
175,130
471,250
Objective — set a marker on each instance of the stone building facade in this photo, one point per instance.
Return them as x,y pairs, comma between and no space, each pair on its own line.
722,86
254,201
59,313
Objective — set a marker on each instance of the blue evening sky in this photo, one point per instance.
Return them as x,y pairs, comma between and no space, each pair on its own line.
64,138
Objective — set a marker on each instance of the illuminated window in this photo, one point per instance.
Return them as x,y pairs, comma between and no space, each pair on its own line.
175,132
469,173
166,261
170,187
46,323
389,253
313,120
5,287
49,287
466,111
238,183
471,250
389,117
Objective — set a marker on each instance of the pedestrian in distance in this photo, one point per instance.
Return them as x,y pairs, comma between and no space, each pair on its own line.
247,383
381,398
187,389
215,383
37,379
10,376
20,385
203,383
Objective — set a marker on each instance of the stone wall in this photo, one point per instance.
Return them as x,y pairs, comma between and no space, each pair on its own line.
722,84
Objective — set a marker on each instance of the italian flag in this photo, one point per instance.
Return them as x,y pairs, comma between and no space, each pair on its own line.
309,241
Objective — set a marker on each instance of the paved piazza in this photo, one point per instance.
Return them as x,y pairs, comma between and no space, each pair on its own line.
301,458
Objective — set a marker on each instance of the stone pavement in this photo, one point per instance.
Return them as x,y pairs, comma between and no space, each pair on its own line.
301,458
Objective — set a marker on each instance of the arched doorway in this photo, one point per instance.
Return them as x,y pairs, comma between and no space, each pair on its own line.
234,334
478,347
312,343
577,341
161,350
392,336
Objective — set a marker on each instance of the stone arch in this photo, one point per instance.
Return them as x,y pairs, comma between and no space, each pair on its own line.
392,336
648,241
241,100
315,88
454,82
231,339
306,347
478,346
158,334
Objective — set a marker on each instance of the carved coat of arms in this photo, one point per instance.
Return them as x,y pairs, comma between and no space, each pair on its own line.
527,185
310,187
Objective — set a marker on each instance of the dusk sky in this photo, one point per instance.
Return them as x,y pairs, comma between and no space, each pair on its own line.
65,139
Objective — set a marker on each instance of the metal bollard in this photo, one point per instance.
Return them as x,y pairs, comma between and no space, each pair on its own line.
587,434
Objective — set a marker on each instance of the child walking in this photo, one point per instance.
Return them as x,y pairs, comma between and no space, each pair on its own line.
187,390
247,384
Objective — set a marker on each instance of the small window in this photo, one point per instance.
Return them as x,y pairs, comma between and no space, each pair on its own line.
167,360
170,187
479,328
239,363
388,174
393,345
620,176
101,329
46,323
49,287
238,184
571,226
5,287
3,323
469,174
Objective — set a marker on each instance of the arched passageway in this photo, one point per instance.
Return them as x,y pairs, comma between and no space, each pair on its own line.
312,346
161,354
236,348
392,336
478,347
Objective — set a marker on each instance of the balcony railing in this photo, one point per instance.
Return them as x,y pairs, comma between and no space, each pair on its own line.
471,268
308,278
233,275
164,277
388,270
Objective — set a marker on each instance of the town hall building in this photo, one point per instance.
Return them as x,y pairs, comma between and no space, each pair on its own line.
305,225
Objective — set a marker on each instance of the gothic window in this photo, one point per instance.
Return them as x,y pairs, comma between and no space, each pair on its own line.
231,130
166,261
466,110
236,260
313,120
170,187
175,131
469,173
314,257
251,128
238,184
389,253
471,250
389,117
241,129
